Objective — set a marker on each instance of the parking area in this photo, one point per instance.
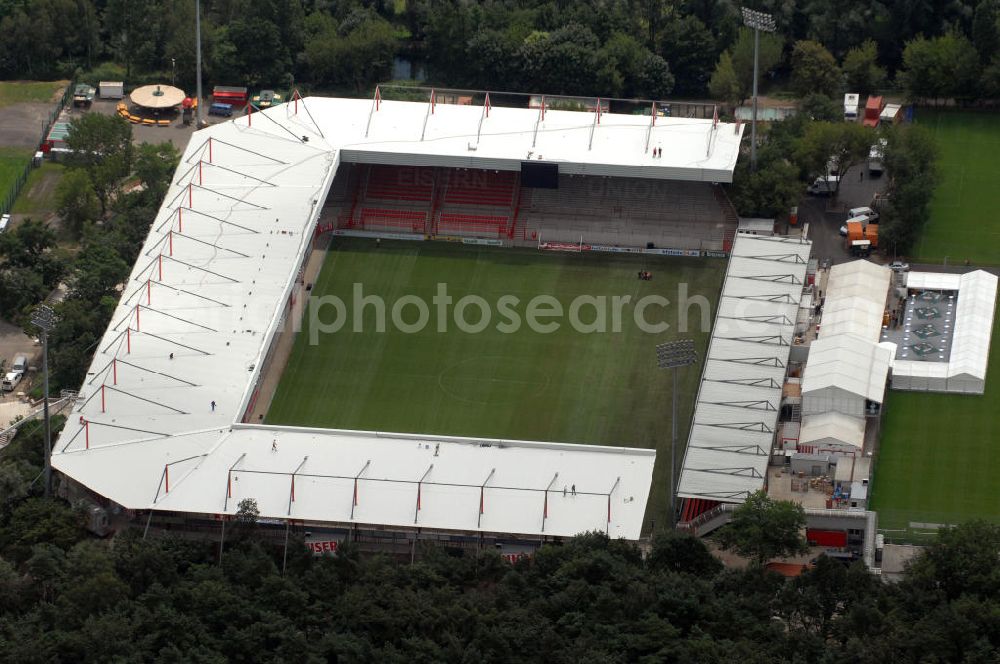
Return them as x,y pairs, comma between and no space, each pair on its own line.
825,216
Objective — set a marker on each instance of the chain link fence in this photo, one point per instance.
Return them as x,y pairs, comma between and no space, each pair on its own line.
7,202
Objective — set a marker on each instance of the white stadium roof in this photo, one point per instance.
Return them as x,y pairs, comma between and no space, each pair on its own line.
965,370
464,137
739,398
211,289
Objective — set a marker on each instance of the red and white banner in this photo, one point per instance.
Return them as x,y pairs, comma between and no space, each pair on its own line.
322,547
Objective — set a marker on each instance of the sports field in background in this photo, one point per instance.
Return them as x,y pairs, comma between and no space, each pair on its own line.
565,386
964,223
940,456
12,163
18,92
939,460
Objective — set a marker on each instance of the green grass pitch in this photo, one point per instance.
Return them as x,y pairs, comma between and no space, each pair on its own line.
938,460
964,223
567,386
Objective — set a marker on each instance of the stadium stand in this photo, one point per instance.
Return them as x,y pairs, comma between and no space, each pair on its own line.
695,507
628,212
456,223
400,183
407,221
478,187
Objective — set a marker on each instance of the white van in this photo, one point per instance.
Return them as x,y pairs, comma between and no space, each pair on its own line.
4,222
10,381
861,211
823,185
852,100
20,364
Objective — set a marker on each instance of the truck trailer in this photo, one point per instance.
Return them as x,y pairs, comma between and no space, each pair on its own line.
873,109
852,101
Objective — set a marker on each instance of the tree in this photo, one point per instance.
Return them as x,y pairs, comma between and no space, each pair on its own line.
962,560
247,512
814,70
46,521
943,67
763,528
990,80
682,553
769,192
819,107
98,271
76,202
861,69
986,29
101,145
910,159
688,47
845,144
562,61
154,166
742,53
724,84
250,50
356,54
71,344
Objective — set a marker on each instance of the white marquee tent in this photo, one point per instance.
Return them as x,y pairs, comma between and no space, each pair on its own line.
843,372
965,370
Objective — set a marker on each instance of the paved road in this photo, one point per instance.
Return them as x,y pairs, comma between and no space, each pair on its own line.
825,217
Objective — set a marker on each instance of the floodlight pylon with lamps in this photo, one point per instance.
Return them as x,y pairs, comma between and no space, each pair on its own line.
675,355
757,21
45,320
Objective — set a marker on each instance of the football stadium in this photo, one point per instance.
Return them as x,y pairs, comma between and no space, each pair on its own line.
280,337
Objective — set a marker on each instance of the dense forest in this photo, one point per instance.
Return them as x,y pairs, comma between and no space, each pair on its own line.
625,48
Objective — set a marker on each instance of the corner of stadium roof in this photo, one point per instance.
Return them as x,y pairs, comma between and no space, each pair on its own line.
739,399
158,424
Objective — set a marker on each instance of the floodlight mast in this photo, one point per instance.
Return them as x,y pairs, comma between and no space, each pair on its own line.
45,319
757,21
197,39
675,355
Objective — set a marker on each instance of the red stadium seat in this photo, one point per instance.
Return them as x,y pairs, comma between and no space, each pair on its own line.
406,221
400,183
477,187
455,223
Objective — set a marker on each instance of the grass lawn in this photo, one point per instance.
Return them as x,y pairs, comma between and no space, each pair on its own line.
17,92
938,461
12,163
38,195
964,223
567,386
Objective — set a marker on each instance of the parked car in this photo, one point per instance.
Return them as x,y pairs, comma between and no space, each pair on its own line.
225,110
824,185
11,380
266,99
